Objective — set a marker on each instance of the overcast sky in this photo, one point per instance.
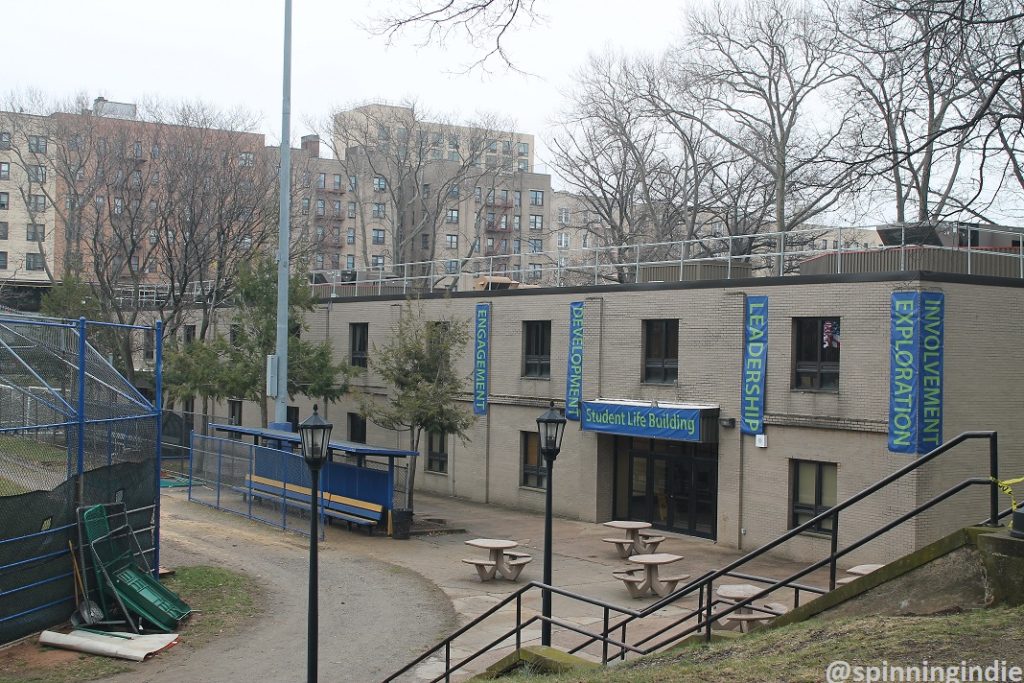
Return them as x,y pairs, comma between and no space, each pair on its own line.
229,53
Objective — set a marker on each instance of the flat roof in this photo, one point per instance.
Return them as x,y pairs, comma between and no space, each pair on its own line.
291,437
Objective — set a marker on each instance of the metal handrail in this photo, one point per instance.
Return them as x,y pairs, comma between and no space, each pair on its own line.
704,584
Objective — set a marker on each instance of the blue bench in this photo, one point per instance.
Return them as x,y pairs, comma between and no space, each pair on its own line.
349,510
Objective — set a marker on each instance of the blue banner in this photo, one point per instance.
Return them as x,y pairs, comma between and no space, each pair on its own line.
481,353
677,424
755,356
915,371
574,369
933,317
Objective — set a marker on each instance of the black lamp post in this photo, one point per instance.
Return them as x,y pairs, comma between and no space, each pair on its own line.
550,428
315,434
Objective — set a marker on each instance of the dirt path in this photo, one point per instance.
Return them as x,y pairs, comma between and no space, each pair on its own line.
374,616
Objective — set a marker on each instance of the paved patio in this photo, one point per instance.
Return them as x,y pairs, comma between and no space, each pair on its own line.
582,563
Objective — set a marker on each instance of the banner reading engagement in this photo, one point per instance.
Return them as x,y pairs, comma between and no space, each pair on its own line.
481,352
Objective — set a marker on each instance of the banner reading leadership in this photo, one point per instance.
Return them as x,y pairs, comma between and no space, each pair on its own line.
755,355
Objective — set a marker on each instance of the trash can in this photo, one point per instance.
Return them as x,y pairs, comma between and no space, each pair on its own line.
401,521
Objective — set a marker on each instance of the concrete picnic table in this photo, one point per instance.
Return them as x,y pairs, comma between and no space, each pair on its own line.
634,543
651,581
500,558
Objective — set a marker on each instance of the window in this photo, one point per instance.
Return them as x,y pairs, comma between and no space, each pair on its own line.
523,149
452,266
5,200
337,181
536,198
3,230
380,183
563,216
661,351
378,237
350,236
352,183
305,206
351,210
425,240
356,428
535,246
118,205
234,411
377,262
534,272
523,165
517,222
33,261
5,170
452,216
319,261
437,452
246,159
478,195
813,491
535,473
517,198
536,221
336,208
378,209
148,341
358,342
5,140
321,207
516,246
137,150
37,202
321,181
335,261
189,334
563,240
816,346
154,151
35,232
350,262
37,144
537,348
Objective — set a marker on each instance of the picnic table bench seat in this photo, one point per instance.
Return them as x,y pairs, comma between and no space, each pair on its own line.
485,568
516,559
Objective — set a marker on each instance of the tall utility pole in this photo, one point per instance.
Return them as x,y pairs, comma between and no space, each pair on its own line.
279,366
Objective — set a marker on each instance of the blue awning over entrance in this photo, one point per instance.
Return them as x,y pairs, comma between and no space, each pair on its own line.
350,447
652,419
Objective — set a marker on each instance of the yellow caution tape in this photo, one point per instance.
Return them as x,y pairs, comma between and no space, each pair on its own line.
1006,486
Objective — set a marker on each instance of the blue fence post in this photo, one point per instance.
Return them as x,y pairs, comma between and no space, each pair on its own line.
252,465
158,389
81,411
191,460
220,460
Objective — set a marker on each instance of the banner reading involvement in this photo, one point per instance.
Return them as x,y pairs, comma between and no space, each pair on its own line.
915,371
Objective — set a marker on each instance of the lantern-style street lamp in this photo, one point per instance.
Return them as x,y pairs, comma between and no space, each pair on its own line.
550,429
315,434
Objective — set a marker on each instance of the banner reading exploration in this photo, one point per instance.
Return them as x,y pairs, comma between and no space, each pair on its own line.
915,371
574,371
755,355
481,351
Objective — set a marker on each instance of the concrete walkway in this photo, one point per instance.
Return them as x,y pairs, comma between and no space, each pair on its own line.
582,563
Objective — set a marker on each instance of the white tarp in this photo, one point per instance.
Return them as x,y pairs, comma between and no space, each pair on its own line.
115,644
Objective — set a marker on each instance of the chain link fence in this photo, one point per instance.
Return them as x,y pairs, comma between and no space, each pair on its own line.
73,432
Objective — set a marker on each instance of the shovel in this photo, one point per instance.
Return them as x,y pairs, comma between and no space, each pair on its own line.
88,612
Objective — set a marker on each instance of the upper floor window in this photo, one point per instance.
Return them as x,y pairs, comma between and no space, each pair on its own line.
452,216
536,221
661,351
5,139
380,183
425,240
535,246
537,348
534,470
350,236
246,159
813,491
321,207
816,354
359,334
452,241
350,261
5,170
563,216
451,266
536,198
351,209
378,210
33,261
5,200
356,428
377,262
3,230
337,181
523,149
3,260
305,206
37,202
563,240
378,236
35,232
321,181
37,144
36,174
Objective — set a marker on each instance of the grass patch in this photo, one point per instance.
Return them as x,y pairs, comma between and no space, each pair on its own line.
9,488
27,448
223,600
800,652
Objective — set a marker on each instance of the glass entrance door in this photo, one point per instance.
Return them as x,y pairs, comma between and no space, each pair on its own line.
677,492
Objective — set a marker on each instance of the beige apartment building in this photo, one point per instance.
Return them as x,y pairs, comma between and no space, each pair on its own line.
670,357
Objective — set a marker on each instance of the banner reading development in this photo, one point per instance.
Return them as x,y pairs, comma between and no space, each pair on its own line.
481,352
574,371
678,424
915,375
755,355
